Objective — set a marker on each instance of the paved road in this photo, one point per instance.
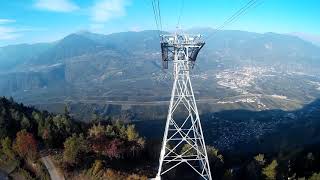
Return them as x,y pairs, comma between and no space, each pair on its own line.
54,173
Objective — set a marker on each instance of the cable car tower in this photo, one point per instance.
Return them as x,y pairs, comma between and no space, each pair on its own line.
183,140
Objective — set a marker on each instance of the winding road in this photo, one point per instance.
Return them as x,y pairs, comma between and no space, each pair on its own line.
54,173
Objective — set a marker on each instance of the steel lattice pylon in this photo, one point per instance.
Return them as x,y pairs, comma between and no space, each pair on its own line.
183,140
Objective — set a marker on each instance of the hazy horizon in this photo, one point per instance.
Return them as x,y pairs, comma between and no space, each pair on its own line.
306,37
35,21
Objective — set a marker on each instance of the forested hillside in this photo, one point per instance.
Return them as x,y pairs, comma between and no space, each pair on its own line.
112,149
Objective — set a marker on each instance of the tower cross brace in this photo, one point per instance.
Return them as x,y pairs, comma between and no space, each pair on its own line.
183,140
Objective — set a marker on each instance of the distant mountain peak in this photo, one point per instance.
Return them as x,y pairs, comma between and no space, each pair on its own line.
75,39
83,32
88,33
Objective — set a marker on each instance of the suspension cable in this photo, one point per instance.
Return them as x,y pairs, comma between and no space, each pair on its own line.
156,18
159,14
235,16
180,13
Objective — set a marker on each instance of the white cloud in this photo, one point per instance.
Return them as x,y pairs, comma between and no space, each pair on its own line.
7,33
5,21
11,33
56,5
104,10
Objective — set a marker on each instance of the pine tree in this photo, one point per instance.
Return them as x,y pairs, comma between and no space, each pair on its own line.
132,134
97,130
270,170
73,147
260,159
6,148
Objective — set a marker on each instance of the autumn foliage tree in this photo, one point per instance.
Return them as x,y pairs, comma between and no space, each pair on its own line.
115,149
25,145
116,140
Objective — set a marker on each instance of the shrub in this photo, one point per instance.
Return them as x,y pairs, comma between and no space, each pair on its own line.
26,145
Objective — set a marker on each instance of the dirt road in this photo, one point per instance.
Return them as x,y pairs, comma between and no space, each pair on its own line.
54,173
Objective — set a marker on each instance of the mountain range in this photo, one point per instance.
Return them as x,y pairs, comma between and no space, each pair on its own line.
122,72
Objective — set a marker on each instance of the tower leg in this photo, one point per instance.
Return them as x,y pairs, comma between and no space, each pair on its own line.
183,140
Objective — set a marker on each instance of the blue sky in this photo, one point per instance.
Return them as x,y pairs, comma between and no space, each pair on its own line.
30,21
